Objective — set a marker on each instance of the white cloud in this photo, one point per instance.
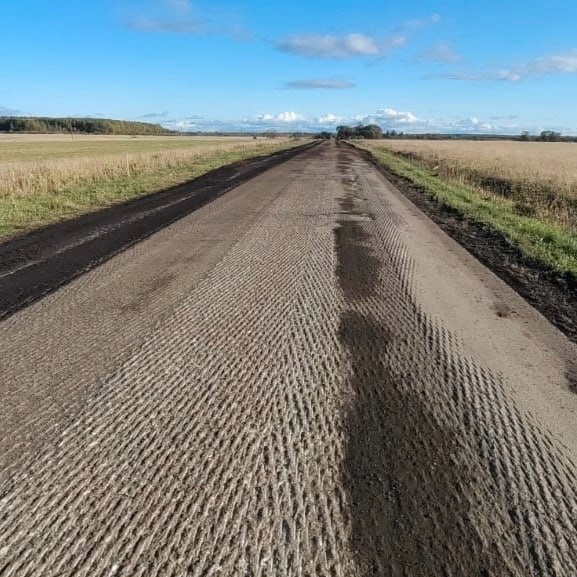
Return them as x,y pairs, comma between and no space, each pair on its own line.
386,118
320,83
354,44
329,46
328,119
287,117
558,64
442,53
394,116
184,26
544,66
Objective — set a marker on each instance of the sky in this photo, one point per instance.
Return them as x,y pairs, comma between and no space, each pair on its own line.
489,66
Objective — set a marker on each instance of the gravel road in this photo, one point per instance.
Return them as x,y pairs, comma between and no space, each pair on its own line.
303,377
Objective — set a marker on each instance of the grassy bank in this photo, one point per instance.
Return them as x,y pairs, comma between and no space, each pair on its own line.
551,243
540,178
40,192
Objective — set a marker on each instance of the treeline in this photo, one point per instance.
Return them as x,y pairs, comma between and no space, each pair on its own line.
372,131
79,126
369,131
546,136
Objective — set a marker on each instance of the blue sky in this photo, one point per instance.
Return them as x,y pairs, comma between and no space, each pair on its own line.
442,65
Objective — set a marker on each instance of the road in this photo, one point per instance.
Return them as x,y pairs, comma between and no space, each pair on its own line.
303,377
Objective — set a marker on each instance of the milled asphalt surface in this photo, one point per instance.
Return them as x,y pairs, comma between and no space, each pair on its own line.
303,377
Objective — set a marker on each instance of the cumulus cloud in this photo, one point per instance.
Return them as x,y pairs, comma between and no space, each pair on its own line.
442,53
330,46
320,83
544,66
288,117
386,118
389,116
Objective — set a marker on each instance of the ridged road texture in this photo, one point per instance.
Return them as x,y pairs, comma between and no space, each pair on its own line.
304,377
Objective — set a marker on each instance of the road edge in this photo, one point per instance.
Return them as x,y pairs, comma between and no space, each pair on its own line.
553,294
39,262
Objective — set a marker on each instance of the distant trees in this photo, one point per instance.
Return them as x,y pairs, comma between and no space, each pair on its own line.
370,132
545,136
550,136
79,125
345,132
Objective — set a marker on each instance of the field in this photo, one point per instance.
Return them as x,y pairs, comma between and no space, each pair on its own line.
540,177
46,178
525,190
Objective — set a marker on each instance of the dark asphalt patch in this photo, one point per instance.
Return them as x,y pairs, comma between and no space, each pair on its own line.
408,478
407,486
34,265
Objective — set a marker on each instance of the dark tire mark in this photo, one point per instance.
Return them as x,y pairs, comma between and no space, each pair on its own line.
444,475
552,293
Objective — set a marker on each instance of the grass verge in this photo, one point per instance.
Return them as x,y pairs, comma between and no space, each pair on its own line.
61,195
544,242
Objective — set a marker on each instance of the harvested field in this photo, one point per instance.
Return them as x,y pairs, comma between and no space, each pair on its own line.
540,178
44,179
303,377
40,147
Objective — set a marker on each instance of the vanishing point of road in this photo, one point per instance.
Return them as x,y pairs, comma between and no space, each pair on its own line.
303,377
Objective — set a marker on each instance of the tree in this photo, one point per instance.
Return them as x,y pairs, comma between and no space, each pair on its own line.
345,132
550,136
371,131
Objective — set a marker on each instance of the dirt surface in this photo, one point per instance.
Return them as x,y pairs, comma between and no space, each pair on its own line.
552,293
305,376
37,263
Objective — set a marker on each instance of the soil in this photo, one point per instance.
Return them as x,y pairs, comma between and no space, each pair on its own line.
304,377
552,293
35,264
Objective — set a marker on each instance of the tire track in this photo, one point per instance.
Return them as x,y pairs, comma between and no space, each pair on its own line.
215,448
445,476
297,412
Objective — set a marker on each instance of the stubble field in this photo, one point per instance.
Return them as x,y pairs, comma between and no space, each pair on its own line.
540,177
47,178
526,191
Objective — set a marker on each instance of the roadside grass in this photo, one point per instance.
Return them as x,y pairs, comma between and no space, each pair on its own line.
539,177
34,194
551,244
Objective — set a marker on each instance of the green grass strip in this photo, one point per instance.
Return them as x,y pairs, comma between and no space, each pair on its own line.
544,242
22,213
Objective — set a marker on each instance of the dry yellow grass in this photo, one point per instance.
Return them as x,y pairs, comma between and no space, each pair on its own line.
107,170
539,177
22,147
41,176
510,188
